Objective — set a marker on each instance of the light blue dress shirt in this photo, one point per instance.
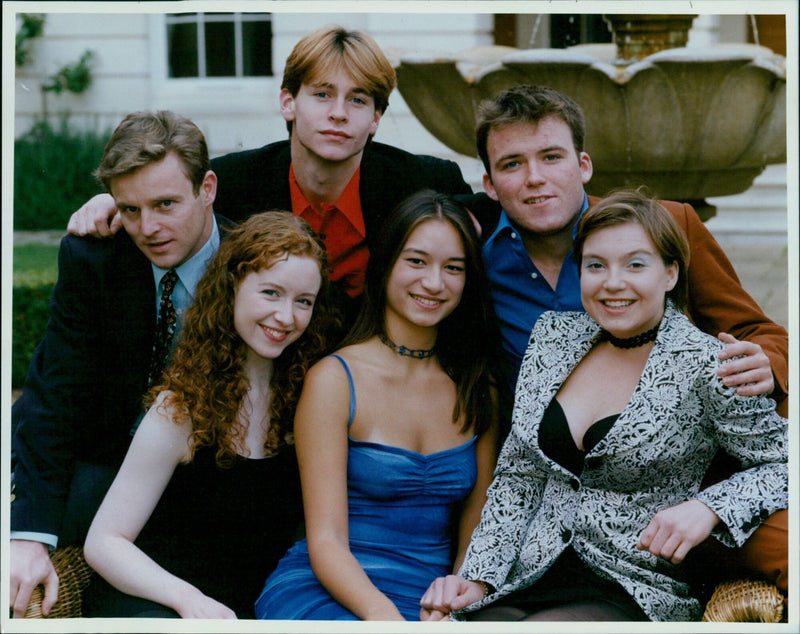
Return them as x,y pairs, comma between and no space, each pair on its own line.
189,274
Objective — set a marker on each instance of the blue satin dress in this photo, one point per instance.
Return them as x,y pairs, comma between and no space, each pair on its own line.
401,511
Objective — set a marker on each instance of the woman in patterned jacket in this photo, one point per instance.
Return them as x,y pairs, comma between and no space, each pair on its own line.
618,413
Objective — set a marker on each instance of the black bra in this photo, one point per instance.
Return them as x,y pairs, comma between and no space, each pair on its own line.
555,438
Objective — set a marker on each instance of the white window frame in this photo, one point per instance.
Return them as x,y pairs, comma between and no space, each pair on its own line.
234,18
215,94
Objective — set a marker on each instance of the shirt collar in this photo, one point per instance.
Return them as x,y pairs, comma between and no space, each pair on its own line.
190,272
349,203
504,224
584,207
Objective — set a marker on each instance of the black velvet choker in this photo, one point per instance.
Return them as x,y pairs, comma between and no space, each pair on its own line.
406,352
630,342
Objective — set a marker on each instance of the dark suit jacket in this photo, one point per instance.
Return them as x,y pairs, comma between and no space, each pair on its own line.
86,380
717,301
258,180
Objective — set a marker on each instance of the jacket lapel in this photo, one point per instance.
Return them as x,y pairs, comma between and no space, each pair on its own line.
654,401
575,334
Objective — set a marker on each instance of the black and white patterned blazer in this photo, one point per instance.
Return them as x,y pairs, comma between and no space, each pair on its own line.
653,457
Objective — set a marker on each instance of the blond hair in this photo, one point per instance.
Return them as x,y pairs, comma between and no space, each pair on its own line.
332,48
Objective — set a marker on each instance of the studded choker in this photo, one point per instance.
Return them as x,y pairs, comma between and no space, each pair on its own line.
630,342
406,352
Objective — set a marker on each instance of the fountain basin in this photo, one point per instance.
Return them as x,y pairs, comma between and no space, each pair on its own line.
688,123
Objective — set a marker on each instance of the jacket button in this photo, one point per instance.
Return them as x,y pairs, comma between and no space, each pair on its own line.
566,535
575,484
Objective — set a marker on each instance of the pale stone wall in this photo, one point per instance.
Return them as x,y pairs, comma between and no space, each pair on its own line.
129,73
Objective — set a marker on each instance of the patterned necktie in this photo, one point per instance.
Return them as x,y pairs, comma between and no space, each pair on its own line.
165,329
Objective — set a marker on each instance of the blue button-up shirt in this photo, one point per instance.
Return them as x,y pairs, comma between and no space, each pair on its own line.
520,293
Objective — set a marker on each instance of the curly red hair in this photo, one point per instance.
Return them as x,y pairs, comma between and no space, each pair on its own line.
205,379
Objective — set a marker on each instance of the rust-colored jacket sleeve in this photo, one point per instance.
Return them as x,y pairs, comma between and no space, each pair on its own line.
718,303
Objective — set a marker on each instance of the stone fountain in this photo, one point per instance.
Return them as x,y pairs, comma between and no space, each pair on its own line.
688,123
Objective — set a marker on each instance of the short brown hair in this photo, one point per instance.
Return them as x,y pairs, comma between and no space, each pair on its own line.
146,137
663,230
527,104
332,48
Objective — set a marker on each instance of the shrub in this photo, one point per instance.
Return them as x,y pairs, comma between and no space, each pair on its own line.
31,310
35,273
53,168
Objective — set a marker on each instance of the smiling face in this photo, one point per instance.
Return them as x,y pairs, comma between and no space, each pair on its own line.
332,118
536,175
624,281
162,214
273,306
428,277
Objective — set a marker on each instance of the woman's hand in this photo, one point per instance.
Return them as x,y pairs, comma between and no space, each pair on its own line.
447,594
195,605
673,532
433,615
748,370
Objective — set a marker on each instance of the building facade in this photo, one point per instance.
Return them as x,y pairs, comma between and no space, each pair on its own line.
223,70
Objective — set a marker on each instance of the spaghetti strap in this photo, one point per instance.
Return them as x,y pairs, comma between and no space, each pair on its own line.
352,389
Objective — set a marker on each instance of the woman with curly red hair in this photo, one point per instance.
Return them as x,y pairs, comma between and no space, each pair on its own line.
208,497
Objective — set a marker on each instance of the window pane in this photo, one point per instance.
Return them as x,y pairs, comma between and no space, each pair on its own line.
569,30
220,56
182,50
257,48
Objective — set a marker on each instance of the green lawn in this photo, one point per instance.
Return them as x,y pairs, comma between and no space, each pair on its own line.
35,273
35,264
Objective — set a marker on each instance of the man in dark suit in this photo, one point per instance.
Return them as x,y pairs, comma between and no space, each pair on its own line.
82,396
335,89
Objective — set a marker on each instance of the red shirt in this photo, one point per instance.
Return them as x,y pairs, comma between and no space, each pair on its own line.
341,228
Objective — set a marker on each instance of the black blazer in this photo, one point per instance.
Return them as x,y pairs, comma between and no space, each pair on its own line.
86,380
258,180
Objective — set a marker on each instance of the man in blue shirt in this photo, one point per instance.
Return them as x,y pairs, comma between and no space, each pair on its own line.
530,140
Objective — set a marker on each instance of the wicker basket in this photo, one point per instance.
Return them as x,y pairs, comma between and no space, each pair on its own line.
73,576
745,601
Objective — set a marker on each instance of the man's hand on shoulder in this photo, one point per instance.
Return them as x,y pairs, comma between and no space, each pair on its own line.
747,368
31,566
98,217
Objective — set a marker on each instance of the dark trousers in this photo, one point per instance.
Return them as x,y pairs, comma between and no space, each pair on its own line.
90,482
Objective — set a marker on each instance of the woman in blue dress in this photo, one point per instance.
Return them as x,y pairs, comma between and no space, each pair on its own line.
395,432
